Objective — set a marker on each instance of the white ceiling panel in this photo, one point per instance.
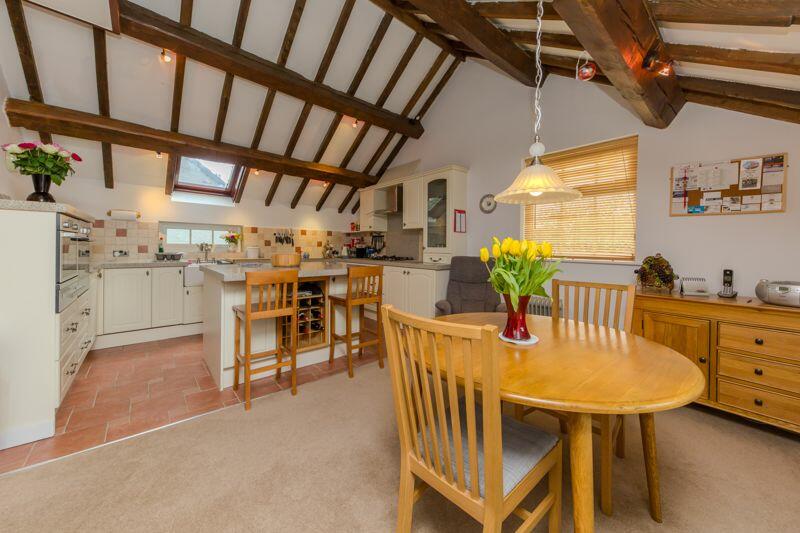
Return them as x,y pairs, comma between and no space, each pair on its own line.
202,88
764,39
341,142
313,34
244,108
431,87
361,28
168,8
139,83
280,125
90,152
9,57
140,167
367,149
414,74
319,119
394,44
217,19
395,139
771,79
266,27
63,48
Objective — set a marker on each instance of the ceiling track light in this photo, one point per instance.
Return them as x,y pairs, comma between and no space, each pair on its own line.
159,155
355,123
255,171
165,57
654,63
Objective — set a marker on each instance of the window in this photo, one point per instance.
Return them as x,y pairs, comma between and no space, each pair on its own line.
208,177
601,224
186,237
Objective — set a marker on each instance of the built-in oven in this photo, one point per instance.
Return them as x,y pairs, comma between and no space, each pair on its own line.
73,258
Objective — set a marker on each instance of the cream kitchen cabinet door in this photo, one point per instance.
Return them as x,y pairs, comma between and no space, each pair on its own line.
394,287
192,305
413,204
421,292
167,299
127,299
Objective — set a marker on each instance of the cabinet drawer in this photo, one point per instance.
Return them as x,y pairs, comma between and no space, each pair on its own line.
759,401
760,340
443,259
760,371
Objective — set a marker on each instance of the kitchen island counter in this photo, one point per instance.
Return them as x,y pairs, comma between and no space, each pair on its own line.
311,269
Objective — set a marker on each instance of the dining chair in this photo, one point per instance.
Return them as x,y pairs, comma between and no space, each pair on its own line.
364,287
603,305
277,299
482,461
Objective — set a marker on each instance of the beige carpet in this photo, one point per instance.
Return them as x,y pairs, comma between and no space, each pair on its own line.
326,460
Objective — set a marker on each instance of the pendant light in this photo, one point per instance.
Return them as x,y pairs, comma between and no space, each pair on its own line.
537,183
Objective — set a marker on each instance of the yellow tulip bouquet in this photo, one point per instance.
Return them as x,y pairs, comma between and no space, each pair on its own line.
520,270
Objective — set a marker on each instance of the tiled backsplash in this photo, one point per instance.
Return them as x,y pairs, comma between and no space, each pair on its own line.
140,240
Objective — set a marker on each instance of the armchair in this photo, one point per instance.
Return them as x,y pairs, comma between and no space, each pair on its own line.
468,290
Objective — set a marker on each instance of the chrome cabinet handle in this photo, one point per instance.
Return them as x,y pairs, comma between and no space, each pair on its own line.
436,260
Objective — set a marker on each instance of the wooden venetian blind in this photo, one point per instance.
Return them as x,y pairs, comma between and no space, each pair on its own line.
602,224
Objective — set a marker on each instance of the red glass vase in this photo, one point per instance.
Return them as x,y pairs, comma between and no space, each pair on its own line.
517,324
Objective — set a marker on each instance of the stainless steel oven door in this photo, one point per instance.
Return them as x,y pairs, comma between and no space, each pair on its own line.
84,255
67,257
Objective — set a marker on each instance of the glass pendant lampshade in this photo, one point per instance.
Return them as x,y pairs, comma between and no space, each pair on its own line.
537,184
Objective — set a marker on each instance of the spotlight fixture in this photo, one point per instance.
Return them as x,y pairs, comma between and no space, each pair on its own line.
165,57
653,63
255,171
355,123
159,155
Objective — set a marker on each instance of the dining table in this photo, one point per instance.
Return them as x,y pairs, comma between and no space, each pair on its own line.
582,369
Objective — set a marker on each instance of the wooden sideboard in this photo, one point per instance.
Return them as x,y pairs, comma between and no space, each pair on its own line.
749,351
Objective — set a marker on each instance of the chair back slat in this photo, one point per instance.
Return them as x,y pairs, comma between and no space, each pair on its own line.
364,284
597,298
435,427
276,293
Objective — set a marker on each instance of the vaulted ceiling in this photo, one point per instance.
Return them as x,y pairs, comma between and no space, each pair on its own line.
312,99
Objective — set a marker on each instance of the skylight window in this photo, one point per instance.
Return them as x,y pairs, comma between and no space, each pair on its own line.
199,173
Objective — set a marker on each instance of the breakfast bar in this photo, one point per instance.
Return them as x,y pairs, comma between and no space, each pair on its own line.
225,288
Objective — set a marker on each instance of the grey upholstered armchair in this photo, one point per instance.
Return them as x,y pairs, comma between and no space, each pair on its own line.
468,290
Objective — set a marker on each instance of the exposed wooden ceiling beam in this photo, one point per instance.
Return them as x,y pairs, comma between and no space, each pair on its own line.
618,37
463,21
779,13
785,63
174,161
787,114
227,85
525,10
59,120
410,20
23,39
101,75
372,49
148,26
553,40
356,206
743,91
322,71
387,91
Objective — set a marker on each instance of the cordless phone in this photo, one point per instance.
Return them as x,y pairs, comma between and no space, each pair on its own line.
727,285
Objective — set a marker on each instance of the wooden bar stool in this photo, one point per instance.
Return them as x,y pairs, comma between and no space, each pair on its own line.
364,287
277,298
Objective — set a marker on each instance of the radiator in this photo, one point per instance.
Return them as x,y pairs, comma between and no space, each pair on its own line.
540,305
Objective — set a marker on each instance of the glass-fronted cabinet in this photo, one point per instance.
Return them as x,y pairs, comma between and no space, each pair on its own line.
436,216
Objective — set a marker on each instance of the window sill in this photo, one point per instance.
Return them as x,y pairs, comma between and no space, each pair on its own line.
205,199
620,262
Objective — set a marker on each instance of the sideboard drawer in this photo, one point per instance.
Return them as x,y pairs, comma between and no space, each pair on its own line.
759,401
760,340
760,371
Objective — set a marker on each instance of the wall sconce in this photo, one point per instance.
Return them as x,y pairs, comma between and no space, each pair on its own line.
165,57
159,155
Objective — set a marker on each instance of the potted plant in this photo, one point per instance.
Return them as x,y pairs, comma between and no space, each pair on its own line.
520,270
44,163
233,240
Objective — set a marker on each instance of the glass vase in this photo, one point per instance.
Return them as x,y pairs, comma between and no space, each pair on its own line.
516,323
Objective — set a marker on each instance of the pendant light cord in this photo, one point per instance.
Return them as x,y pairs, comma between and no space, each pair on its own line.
538,91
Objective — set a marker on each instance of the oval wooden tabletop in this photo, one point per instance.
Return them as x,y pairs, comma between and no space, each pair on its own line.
579,367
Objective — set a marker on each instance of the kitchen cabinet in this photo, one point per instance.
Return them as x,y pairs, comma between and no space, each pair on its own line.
372,222
192,305
444,191
414,290
685,335
127,298
413,204
167,296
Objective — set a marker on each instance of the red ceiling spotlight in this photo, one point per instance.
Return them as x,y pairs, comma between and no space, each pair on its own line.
653,63
587,71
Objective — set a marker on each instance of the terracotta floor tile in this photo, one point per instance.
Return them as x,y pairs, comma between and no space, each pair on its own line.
84,383
132,391
206,382
208,399
142,375
79,399
100,414
70,442
193,370
137,424
305,374
188,358
259,388
184,384
13,458
161,404
62,416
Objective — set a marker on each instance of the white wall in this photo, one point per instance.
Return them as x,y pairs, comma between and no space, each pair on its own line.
10,183
482,121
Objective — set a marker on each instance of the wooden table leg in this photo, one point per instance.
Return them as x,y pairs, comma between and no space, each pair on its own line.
580,456
647,422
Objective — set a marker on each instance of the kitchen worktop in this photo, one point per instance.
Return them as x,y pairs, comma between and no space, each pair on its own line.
310,269
45,207
143,264
407,264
